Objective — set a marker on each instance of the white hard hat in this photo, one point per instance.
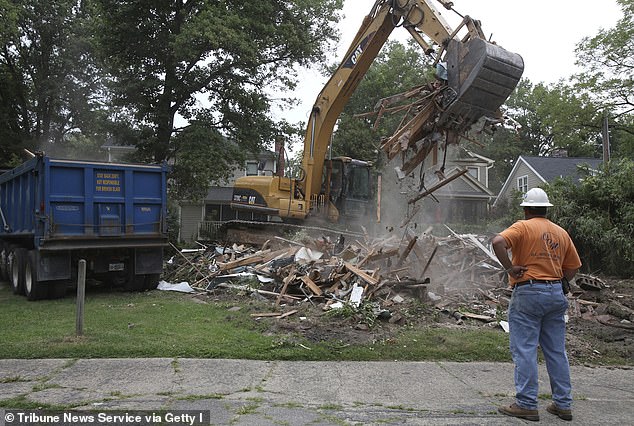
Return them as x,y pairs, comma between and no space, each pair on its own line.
536,197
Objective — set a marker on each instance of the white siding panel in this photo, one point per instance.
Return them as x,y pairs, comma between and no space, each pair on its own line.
191,215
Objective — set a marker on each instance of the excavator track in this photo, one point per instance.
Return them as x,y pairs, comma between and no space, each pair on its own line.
257,231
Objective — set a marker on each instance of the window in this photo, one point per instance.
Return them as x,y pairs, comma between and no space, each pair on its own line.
522,184
227,213
474,172
359,183
212,212
252,168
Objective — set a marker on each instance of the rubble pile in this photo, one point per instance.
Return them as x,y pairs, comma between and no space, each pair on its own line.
592,299
458,275
336,273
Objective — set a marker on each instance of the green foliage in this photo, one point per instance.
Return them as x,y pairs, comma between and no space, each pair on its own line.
366,313
555,117
173,222
599,215
507,211
396,69
198,163
607,60
504,147
211,62
50,86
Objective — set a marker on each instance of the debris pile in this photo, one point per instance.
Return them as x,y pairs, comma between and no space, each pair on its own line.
592,299
336,273
458,275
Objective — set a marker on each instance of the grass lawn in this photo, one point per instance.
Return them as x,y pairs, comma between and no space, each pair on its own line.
168,324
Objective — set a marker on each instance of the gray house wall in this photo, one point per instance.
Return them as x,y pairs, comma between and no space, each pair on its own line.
193,220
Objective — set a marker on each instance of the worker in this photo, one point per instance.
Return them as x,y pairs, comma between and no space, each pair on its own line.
543,255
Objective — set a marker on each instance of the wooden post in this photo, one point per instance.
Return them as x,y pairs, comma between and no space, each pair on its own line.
81,296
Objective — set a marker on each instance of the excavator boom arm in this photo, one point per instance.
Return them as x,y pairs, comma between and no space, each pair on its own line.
427,26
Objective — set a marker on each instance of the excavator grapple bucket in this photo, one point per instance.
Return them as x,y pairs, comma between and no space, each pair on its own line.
481,76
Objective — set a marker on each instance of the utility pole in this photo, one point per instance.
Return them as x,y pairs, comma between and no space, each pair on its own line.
606,139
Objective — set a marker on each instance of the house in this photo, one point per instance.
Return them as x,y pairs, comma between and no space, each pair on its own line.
460,194
531,171
467,198
202,219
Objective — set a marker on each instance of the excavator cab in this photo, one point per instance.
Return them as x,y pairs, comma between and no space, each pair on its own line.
347,185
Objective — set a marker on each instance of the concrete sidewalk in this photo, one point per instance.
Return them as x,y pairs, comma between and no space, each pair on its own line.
240,392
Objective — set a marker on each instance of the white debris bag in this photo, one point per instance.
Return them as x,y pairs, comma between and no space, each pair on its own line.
307,255
182,287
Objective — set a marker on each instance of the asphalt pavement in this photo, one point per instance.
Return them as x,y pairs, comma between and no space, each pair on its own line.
243,392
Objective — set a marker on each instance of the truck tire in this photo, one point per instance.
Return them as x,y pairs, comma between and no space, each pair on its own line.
57,289
151,281
17,260
34,289
135,283
116,279
4,262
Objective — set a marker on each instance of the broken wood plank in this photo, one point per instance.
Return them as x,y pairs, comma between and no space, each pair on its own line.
188,261
423,151
478,316
287,314
266,314
248,288
431,257
243,261
290,277
383,254
361,274
437,186
401,139
311,285
406,252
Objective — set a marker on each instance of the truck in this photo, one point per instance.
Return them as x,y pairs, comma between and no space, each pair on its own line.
481,75
54,212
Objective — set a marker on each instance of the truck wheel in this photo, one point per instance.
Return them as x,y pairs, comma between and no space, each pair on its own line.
33,288
151,281
116,279
4,262
17,260
135,283
57,289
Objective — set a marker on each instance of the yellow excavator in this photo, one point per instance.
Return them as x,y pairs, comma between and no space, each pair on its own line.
480,76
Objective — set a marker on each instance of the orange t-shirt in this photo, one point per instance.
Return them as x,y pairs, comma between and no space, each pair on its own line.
543,247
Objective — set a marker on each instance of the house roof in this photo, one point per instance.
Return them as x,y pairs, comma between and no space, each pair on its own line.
550,168
219,194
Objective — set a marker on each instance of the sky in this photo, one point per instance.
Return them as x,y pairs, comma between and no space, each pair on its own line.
543,32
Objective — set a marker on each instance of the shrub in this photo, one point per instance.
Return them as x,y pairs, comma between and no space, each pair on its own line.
599,216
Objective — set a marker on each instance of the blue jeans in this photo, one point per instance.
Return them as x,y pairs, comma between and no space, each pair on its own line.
536,317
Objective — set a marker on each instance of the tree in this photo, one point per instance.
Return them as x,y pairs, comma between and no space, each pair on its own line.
608,63
396,69
555,117
215,63
599,215
47,78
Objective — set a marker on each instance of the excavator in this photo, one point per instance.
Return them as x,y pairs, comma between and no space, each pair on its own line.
480,76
